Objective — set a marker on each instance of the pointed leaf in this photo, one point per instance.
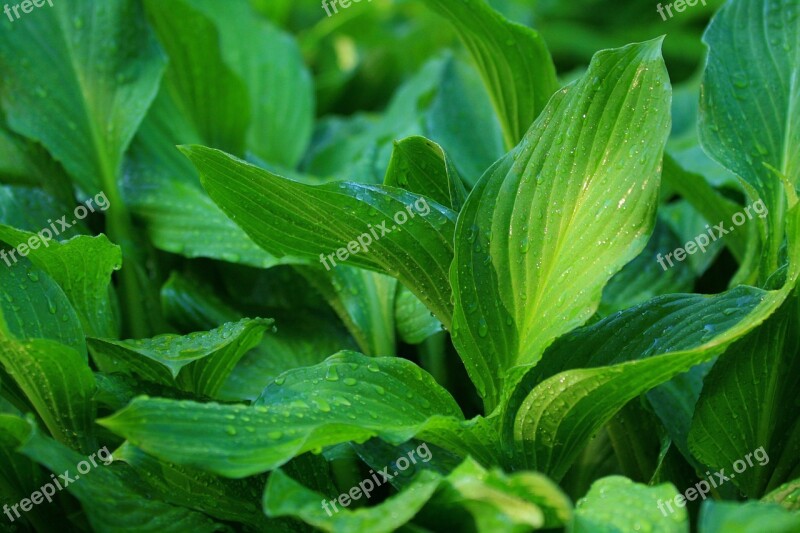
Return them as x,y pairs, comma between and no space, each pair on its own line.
547,226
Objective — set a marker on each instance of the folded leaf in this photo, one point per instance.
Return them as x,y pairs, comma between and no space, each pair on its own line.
202,361
421,166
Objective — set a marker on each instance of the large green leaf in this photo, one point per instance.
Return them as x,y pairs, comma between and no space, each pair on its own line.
90,70
82,267
753,78
547,226
747,406
349,397
512,59
283,217
59,384
617,504
201,361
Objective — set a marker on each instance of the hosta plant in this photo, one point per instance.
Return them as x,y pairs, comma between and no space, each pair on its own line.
249,336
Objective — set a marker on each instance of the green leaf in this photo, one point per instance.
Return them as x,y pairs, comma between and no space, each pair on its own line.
750,393
618,504
548,225
113,497
364,301
733,517
201,361
58,383
787,495
163,188
414,321
349,397
35,307
626,354
223,499
82,267
280,87
591,373
461,119
90,70
198,75
420,166
644,278
513,61
705,199
754,47
284,496
470,498
283,217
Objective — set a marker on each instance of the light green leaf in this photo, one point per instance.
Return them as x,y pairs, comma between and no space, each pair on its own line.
747,406
734,517
512,59
787,495
617,504
82,267
349,397
58,383
90,70
200,361
283,217
548,225
755,52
